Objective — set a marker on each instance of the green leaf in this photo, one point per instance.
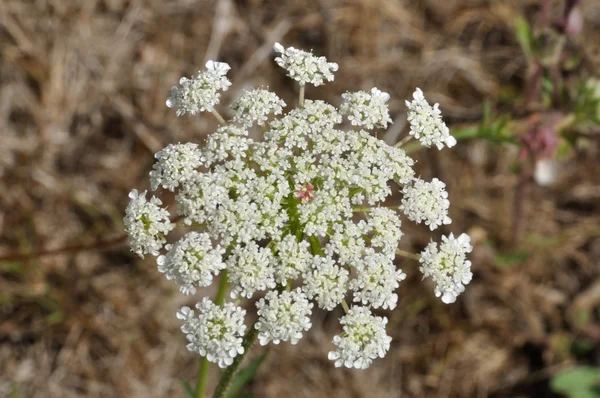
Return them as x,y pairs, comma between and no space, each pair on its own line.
189,391
577,382
524,36
245,375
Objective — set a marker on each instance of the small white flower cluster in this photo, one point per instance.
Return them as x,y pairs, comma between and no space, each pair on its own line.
146,224
426,123
298,216
426,202
176,164
283,316
363,340
255,106
367,110
192,261
448,266
216,332
202,91
304,67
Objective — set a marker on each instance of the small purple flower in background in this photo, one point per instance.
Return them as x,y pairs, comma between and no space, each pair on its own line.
539,145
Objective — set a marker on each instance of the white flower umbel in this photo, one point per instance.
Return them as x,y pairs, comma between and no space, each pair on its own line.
304,207
426,123
327,283
426,202
146,224
216,332
250,270
304,67
448,266
176,164
283,316
192,262
367,110
363,339
202,92
255,106
376,281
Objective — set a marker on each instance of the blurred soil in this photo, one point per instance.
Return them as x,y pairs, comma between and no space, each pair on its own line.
82,110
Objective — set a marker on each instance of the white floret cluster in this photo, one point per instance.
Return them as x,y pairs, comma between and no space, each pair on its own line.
216,332
448,266
304,67
426,123
368,110
202,92
296,219
255,106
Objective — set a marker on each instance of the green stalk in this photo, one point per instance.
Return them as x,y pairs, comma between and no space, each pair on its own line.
232,369
301,97
204,363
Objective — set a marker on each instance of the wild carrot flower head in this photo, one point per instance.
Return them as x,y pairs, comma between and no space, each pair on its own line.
297,218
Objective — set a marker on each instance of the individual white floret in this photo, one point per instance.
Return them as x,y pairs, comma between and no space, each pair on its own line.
448,266
426,202
303,66
201,92
216,332
363,339
326,282
283,316
192,262
176,164
250,269
376,280
146,224
255,106
368,110
426,123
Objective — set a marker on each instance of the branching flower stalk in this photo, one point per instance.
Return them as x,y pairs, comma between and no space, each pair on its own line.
297,218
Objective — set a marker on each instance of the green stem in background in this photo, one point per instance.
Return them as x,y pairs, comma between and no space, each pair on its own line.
231,370
301,99
204,363
218,116
406,254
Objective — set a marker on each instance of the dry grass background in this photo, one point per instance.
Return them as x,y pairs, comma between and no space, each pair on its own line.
82,91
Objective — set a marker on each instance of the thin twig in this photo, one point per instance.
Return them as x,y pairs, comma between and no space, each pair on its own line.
98,245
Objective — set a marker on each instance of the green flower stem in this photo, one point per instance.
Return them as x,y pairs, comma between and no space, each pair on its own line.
406,254
202,377
401,143
301,97
204,363
345,306
220,297
231,370
218,116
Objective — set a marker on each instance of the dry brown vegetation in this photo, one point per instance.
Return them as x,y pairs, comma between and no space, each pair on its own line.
82,91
